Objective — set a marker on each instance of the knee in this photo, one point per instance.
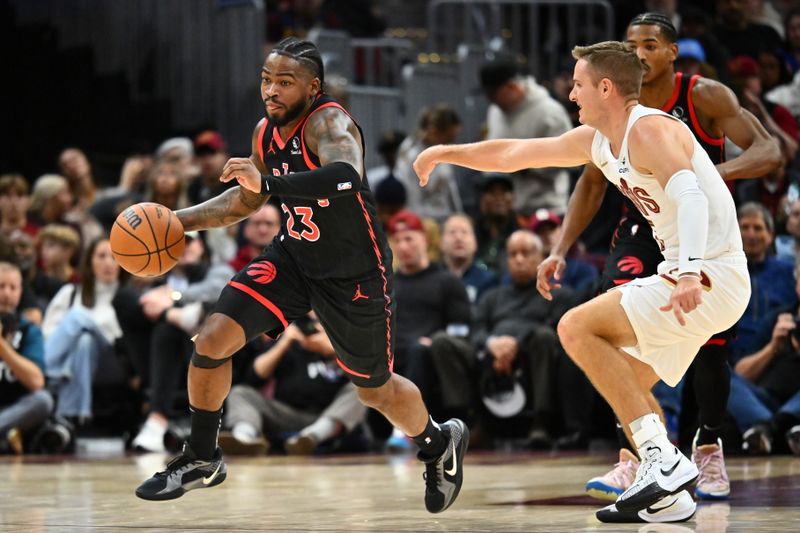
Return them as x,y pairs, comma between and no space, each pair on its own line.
85,342
569,330
219,337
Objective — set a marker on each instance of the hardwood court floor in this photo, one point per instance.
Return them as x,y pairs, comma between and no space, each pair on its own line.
501,492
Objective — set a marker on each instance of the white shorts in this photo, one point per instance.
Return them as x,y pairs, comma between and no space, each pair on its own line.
662,342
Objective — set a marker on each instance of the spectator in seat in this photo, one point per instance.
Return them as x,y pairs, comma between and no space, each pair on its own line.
80,329
24,402
211,155
74,165
771,279
433,323
51,199
309,397
787,245
258,231
740,36
14,203
458,255
58,245
765,390
515,335
496,220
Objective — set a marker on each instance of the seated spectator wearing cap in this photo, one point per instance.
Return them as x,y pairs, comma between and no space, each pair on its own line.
458,255
390,198
440,198
433,322
738,34
522,109
582,276
211,155
178,151
691,59
14,203
515,337
496,220
58,245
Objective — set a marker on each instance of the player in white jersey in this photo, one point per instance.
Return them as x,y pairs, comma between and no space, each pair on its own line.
628,338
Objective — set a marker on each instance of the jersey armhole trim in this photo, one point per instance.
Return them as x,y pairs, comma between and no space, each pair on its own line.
261,141
718,141
675,93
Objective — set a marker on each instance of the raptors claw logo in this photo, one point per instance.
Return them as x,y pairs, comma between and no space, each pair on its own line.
262,272
630,265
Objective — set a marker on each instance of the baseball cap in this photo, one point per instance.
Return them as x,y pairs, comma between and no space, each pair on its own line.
496,73
496,177
209,142
543,216
404,220
691,49
743,67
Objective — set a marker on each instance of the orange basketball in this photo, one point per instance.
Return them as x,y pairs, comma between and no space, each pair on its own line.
147,239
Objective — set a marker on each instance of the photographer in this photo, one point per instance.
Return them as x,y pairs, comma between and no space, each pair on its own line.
765,390
24,402
295,386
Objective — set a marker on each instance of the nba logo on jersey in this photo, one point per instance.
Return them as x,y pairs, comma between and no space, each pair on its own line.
344,186
295,146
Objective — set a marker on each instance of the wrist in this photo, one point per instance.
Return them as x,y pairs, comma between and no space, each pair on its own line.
689,274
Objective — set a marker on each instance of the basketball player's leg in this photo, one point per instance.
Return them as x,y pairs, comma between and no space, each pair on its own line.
591,334
362,331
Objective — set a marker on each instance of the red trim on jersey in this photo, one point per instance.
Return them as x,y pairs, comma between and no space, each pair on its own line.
719,141
386,298
276,136
261,140
344,367
621,281
309,163
260,299
675,93
716,342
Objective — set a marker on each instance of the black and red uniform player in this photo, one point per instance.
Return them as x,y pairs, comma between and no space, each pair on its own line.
328,251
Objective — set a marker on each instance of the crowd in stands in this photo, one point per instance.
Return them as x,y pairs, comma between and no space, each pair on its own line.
87,349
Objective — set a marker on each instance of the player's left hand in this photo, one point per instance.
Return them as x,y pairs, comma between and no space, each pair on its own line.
685,297
424,164
243,170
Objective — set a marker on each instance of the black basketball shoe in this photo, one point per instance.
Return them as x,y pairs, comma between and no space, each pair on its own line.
443,475
185,472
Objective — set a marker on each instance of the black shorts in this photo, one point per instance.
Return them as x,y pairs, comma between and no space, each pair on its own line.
357,314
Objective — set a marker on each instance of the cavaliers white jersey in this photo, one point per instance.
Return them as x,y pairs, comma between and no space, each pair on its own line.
652,200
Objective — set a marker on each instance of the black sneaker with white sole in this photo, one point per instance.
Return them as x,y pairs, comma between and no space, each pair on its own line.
184,473
660,474
676,508
443,475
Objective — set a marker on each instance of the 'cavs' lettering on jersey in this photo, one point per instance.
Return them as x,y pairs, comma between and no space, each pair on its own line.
640,198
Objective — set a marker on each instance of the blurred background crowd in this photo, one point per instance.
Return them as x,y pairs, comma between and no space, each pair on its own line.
113,105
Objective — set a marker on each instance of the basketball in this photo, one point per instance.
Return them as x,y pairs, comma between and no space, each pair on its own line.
147,239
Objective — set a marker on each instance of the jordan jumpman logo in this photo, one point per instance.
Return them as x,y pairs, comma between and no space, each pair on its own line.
359,294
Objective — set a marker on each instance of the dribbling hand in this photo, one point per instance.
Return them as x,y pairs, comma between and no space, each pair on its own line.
685,297
243,170
551,268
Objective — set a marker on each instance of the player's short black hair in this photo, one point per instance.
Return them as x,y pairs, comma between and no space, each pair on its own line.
657,19
304,52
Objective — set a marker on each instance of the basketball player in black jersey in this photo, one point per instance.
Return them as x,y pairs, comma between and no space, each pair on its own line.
330,256
712,112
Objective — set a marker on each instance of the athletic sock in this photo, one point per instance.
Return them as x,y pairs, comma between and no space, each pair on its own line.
205,429
712,385
431,441
708,435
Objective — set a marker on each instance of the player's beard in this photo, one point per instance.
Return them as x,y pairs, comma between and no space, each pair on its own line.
290,114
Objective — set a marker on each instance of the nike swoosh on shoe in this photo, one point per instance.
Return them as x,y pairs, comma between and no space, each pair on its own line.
209,479
454,470
653,510
671,470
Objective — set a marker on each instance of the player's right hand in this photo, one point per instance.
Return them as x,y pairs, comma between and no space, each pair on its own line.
551,268
243,170
424,164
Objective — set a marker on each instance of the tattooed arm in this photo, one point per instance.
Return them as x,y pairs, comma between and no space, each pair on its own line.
332,135
231,206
